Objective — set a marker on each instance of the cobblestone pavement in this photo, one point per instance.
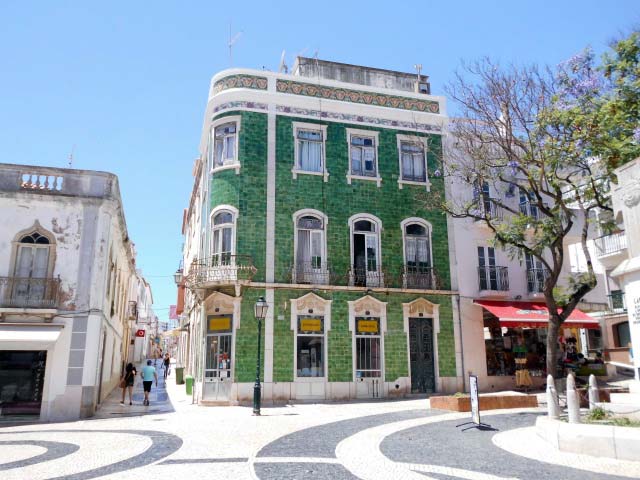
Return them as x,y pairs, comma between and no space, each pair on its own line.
369,440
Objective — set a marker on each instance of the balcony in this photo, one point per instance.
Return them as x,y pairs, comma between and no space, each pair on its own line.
494,279
489,208
423,278
35,293
529,210
219,270
535,279
312,273
132,310
364,277
611,244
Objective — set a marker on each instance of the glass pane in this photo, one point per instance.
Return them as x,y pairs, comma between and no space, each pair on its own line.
226,240
25,260
225,129
310,223
230,147
41,263
21,382
216,242
223,217
310,361
371,253
356,161
407,166
364,226
303,256
310,135
418,168
369,161
310,156
219,152
410,147
416,229
411,251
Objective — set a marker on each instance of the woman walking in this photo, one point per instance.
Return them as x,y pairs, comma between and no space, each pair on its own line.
127,382
167,364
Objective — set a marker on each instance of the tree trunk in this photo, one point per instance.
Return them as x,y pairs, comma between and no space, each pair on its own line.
552,345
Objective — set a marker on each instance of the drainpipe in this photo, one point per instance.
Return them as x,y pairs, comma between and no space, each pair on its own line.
464,383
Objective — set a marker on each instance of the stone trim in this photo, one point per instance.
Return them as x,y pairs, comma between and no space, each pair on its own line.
240,81
356,96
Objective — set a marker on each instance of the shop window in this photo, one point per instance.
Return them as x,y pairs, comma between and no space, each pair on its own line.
368,347
622,335
310,343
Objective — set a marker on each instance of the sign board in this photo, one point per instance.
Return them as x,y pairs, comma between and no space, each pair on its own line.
367,326
311,325
140,333
475,401
219,324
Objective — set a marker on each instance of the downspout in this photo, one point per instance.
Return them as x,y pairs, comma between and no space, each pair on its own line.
464,383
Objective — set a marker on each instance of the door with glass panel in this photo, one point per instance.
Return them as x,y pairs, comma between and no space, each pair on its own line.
368,358
535,274
366,271
418,272
488,278
310,264
32,264
218,358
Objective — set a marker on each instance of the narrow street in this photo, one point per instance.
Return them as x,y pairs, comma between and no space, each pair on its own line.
370,440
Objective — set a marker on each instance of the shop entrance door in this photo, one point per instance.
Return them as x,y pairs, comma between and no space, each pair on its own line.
421,354
217,376
21,381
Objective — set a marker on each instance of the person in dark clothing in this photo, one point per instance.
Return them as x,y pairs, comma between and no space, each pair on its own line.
167,362
127,382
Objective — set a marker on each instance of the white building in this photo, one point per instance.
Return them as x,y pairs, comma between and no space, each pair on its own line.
66,263
142,313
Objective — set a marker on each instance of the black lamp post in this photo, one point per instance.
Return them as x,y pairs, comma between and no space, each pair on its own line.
261,308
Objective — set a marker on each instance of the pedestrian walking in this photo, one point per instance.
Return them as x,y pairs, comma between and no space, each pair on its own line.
148,376
126,383
167,362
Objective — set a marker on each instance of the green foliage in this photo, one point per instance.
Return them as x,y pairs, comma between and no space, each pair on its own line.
597,413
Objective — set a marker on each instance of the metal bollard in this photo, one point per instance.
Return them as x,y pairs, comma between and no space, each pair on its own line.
594,393
553,410
573,401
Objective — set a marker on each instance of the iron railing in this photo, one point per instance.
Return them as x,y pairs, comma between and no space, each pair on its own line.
610,244
489,208
314,273
221,269
617,302
364,277
536,278
415,276
493,278
17,292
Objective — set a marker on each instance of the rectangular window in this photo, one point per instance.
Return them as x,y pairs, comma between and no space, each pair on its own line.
310,155
310,346
367,344
487,268
363,156
413,162
225,145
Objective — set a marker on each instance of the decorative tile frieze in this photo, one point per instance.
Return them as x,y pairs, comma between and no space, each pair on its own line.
240,104
356,96
240,81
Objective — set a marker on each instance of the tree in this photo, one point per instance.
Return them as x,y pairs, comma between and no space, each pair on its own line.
514,138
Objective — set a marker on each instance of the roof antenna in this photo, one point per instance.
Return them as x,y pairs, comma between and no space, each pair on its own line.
418,67
73,149
282,68
232,41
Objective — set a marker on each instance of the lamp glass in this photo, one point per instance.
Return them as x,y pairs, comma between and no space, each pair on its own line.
178,277
261,308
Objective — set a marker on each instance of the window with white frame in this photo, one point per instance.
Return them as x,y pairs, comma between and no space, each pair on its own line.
413,161
365,250
417,254
363,155
310,343
31,270
310,264
224,140
309,151
222,239
368,347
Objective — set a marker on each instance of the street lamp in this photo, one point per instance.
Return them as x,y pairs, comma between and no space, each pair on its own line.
261,308
178,276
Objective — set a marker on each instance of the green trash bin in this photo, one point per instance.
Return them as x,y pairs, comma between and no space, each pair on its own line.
179,375
189,381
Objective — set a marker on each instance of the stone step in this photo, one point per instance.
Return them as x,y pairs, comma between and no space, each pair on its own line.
626,398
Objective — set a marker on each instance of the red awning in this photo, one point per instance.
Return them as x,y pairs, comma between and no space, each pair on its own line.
532,315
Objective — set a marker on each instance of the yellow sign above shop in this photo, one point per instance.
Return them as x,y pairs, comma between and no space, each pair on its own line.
219,324
311,325
367,326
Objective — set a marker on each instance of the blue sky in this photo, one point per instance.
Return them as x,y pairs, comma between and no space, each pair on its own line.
126,82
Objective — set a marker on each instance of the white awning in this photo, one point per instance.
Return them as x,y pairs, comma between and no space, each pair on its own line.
28,337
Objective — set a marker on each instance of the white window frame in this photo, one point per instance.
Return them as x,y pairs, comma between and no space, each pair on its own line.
235,164
234,214
412,139
419,221
375,309
325,222
322,308
378,224
353,132
296,170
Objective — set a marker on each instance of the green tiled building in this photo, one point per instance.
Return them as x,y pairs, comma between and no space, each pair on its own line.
310,192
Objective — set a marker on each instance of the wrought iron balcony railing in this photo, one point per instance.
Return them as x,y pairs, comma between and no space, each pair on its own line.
366,277
611,244
415,276
489,208
493,278
536,278
220,269
313,273
17,292
617,302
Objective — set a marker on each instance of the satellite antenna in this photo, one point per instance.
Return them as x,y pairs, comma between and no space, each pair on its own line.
73,149
232,41
282,68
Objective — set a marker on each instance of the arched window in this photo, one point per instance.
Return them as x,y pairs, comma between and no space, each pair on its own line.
32,267
222,241
418,271
310,248
365,251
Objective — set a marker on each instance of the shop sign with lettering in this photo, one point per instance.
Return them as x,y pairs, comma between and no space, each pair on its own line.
311,325
368,326
219,324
